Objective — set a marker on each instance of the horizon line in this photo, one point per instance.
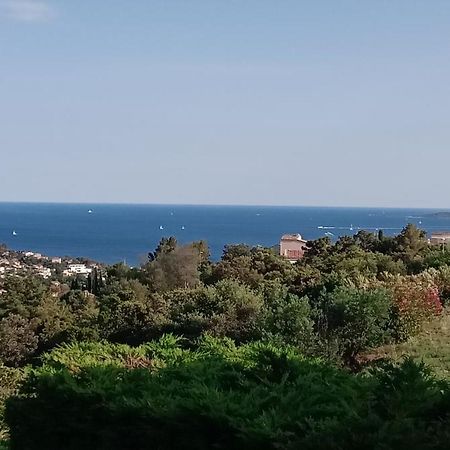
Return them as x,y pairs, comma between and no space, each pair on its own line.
253,205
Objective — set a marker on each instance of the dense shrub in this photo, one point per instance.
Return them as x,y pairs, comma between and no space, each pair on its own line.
351,320
287,318
227,309
252,265
33,317
18,340
22,295
416,301
128,312
441,278
256,396
9,382
174,268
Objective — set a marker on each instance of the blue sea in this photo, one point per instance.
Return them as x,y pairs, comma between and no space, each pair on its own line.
112,233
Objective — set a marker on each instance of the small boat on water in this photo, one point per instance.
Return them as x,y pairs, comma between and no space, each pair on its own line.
182,227
161,227
90,211
14,233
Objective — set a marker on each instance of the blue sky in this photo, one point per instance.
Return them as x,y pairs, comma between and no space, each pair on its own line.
225,101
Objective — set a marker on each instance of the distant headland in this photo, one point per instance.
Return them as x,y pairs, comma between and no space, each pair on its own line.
440,214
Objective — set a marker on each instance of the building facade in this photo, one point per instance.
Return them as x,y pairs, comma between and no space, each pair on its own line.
439,238
79,269
292,246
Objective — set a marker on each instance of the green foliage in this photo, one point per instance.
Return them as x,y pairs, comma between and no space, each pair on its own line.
119,271
353,319
84,310
9,382
238,370
431,346
218,395
225,309
18,340
441,278
177,268
129,313
22,296
179,290
437,257
415,301
34,318
411,244
288,318
252,266
166,245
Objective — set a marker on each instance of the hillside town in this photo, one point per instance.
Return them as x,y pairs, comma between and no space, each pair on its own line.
33,263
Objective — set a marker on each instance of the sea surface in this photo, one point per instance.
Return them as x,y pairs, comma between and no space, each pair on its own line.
113,233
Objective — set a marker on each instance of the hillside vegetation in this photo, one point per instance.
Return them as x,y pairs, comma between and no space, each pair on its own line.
431,346
222,396
247,352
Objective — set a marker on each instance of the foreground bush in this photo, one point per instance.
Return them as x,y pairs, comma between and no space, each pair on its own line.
9,381
256,396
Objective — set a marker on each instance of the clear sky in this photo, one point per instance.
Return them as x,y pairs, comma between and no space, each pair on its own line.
226,101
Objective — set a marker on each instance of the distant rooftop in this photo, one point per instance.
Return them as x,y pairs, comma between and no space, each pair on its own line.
441,234
291,237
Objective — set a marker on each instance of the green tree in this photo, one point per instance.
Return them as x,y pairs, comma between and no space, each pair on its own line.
411,244
252,265
367,241
18,341
228,308
129,313
287,318
351,320
22,295
83,309
166,245
177,268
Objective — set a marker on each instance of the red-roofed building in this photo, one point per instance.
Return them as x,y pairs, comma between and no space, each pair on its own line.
292,246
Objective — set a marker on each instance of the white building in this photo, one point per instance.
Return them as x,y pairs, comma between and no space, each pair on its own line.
45,272
79,269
